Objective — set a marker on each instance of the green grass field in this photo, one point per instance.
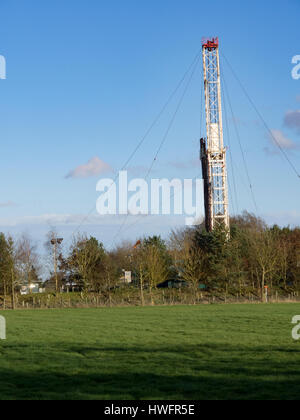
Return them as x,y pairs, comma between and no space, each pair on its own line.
194,353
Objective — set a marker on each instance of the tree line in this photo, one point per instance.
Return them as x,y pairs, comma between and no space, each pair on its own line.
250,258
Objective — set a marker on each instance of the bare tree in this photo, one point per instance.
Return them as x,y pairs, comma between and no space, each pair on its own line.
192,267
157,270
27,260
12,269
8,267
265,255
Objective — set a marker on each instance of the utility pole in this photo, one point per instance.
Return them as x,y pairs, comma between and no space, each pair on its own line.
136,246
213,152
55,242
13,304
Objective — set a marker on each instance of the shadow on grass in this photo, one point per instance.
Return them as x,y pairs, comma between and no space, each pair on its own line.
193,372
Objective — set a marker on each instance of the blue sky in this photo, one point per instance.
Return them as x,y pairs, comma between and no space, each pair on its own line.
85,79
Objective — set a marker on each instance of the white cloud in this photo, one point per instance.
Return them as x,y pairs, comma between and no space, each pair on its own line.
278,138
94,167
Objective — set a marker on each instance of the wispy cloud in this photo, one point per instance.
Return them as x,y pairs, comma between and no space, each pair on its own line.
93,219
7,204
184,165
277,137
103,228
238,121
292,120
93,167
140,170
291,218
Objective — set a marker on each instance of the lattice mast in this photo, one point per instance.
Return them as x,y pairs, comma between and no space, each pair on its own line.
213,153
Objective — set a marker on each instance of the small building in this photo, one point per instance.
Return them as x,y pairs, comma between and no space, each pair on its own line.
32,288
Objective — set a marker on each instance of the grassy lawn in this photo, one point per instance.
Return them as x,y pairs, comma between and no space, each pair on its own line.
201,352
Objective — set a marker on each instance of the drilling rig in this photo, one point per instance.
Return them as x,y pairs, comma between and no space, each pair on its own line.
213,152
